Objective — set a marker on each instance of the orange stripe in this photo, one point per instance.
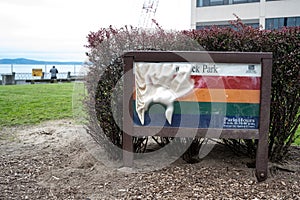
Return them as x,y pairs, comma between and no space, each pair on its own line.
222,95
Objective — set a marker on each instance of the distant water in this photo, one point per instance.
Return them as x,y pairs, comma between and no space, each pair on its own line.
7,68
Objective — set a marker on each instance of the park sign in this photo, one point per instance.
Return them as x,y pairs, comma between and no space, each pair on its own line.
37,72
202,94
226,93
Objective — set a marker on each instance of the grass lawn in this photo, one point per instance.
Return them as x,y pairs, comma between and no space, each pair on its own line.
31,104
297,141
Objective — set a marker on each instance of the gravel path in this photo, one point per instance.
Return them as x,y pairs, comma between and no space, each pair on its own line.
50,161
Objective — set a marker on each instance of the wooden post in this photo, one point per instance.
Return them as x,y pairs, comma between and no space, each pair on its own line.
127,112
263,144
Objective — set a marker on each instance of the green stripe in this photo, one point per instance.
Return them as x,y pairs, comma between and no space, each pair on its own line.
208,108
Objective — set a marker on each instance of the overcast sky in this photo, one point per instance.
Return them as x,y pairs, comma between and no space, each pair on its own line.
57,29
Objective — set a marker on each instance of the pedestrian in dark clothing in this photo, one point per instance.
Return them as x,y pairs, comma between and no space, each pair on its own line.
53,72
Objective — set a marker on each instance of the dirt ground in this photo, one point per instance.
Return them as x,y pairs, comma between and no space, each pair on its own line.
52,161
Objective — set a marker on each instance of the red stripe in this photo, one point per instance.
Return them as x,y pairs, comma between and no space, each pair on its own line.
227,82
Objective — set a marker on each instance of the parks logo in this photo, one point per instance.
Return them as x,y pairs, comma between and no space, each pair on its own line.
251,69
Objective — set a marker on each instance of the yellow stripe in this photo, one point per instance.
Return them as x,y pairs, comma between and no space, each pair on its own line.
222,95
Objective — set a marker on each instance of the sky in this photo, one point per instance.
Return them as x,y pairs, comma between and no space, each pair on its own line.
57,29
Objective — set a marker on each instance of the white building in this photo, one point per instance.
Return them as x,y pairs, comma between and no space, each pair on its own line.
268,14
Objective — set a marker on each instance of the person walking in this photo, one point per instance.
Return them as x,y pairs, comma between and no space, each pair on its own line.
53,72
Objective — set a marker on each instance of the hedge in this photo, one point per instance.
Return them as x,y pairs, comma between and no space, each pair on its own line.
108,44
285,95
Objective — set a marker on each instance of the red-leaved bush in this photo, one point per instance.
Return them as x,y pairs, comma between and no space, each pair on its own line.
104,103
285,97
108,44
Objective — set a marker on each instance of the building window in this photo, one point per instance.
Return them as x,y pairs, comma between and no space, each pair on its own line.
277,23
203,3
240,1
244,1
216,2
293,21
227,25
274,23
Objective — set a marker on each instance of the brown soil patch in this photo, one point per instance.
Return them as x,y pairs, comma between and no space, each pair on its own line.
51,161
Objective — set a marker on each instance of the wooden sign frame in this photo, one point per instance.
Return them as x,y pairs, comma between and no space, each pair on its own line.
129,130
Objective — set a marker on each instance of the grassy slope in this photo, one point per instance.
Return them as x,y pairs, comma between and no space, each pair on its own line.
30,104
297,141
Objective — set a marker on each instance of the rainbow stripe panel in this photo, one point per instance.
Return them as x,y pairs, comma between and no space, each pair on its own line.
224,96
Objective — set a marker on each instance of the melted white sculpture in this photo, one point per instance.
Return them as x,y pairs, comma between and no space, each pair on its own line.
159,83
